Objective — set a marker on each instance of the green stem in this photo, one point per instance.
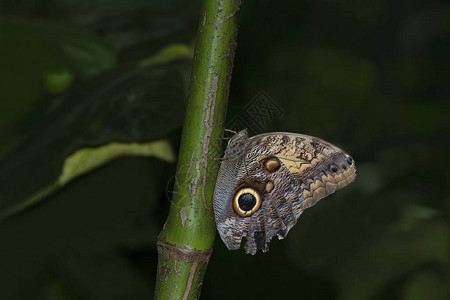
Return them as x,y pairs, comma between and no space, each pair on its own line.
186,241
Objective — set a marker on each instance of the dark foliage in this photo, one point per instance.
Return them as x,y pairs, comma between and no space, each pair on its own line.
371,77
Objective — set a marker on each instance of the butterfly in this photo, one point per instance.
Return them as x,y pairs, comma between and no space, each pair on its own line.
265,182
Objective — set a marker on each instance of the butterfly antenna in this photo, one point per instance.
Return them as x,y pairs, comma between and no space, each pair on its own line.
229,130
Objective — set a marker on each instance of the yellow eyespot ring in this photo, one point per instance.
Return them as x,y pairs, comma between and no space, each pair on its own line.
246,205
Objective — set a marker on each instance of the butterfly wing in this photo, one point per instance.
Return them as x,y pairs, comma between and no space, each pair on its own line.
280,201
262,191
320,167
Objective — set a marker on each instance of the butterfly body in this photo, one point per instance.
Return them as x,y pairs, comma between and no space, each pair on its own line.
266,181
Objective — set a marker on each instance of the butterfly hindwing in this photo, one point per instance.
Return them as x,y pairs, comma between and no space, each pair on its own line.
265,182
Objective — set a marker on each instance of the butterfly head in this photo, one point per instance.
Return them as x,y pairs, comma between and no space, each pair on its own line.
236,144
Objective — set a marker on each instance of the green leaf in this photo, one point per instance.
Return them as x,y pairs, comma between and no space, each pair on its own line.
88,55
100,219
30,51
169,53
125,106
58,82
86,159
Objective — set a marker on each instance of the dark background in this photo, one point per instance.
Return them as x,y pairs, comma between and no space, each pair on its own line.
369,76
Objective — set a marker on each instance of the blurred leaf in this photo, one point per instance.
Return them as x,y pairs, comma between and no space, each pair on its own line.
102,6
31,51
25,56
128,105
348,219
425,118
97,220
140,32
370,270
427,285
86,159
414,213
169,53
88,55
59,81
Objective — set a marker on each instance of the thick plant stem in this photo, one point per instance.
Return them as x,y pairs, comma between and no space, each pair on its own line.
186,241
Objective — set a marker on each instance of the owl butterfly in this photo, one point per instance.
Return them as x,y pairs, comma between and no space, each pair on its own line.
265,182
